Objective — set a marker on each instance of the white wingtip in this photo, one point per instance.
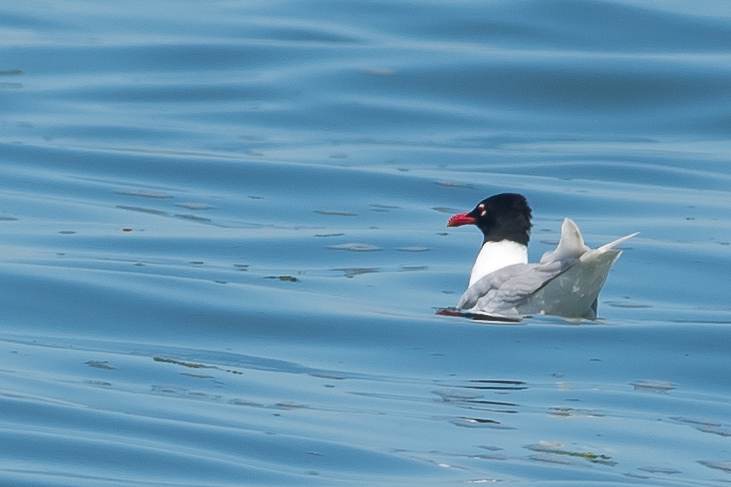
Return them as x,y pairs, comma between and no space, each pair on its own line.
571,244
613,244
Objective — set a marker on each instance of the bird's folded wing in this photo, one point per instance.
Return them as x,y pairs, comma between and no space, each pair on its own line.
573,294
505,289
571,244
614,243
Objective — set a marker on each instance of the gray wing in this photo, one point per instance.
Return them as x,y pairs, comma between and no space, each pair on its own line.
505,290
574,293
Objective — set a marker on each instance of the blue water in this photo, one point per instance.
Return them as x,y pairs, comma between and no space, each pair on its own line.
224,242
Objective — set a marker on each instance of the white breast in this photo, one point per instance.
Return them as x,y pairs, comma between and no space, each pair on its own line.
496,255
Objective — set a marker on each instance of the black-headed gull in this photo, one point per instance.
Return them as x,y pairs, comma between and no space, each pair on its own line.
566,282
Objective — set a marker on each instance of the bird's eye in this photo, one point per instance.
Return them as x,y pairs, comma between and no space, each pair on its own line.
482,209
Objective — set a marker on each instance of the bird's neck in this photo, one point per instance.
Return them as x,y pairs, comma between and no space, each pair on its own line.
496,255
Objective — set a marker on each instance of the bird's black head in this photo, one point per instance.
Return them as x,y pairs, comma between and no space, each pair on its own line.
504,216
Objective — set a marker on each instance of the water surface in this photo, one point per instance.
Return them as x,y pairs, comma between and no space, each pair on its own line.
224,242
